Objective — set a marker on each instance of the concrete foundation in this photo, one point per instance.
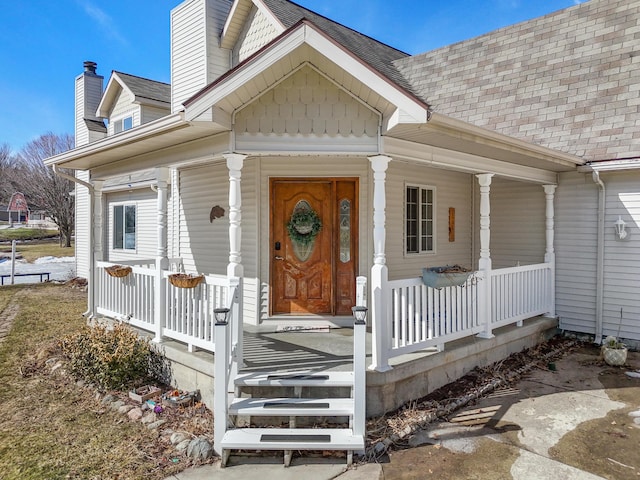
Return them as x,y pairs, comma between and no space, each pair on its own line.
412,377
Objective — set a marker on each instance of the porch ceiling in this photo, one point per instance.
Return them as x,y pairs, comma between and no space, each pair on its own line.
454,135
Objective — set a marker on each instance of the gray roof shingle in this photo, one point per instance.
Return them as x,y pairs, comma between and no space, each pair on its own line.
567,81
146,88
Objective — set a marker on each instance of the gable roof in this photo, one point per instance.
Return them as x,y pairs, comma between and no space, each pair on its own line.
374,53
567,80
143,90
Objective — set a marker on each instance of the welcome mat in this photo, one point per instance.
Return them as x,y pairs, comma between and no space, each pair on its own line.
303,328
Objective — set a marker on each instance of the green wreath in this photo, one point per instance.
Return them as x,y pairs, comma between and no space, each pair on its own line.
304,226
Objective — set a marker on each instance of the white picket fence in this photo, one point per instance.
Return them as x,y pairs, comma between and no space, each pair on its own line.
421,317
187,314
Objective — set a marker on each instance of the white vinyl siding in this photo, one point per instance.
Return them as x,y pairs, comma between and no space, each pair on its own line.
145,202
453,190
82,226
518,223
204,245
149,114
196,58
622,258
123,108
576,240
88,93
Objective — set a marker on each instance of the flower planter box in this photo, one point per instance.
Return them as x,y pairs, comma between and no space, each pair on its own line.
447,276
145,393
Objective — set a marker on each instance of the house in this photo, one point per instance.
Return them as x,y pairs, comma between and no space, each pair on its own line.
304,168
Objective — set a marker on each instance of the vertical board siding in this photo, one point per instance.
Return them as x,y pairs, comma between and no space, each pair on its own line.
453,190
258,31
621,308
83,224
576,239
145,201
518,223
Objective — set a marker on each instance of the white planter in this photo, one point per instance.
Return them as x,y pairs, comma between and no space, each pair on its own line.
615,357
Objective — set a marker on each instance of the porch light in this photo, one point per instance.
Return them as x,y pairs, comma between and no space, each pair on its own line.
620,226
360,314
221,315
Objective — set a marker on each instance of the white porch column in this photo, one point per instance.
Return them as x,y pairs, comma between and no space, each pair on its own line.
380,308
549,255
96,249
162,262
484,264
235,269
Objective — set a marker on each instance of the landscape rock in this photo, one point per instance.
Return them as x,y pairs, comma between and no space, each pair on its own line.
199,449
635,414
135,414
179,437
149,418
116,405
182,446
56,367
125,409
156,424
107,399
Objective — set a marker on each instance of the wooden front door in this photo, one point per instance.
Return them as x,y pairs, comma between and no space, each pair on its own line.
313,246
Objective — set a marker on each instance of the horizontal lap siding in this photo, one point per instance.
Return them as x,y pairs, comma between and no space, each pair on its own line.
622,258
518,223
453,189
145,201
576,238
204,245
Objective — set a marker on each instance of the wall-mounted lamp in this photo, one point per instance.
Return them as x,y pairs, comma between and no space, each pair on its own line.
621,228
220,315
360,314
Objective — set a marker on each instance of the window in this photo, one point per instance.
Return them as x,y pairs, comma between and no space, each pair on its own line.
124,227
123,124
419,212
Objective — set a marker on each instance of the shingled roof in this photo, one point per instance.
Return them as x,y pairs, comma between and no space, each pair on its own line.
146,88
568,80
374,53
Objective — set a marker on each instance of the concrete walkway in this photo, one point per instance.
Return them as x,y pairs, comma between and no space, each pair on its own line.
579,420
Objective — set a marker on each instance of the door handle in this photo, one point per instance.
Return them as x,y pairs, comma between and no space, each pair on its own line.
278,257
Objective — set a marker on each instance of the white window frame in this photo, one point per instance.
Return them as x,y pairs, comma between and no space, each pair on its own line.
422,227
124,248
119,124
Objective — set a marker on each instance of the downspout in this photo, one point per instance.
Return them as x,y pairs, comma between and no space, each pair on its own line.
600,255
91,279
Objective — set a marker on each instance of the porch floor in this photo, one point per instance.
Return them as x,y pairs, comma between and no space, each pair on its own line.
412,376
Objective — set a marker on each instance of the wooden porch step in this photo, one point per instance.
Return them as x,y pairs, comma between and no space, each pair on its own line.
292,439
308,407
295,379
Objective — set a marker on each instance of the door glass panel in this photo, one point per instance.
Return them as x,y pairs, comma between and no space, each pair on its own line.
345,231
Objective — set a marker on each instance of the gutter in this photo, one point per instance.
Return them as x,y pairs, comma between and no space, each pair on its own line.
602,193
91,303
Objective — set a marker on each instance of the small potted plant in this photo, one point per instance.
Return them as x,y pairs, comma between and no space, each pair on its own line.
614,352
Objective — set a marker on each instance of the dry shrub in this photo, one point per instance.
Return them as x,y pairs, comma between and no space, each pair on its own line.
114,358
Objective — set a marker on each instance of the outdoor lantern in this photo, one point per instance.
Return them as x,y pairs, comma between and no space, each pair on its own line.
221,315
360,314
620,226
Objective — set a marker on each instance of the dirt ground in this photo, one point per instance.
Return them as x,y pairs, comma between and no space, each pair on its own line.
571,422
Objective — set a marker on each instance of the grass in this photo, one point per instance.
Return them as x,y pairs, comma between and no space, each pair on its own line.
49,427
31,250
8,234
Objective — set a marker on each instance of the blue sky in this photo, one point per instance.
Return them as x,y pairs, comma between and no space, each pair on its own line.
43,44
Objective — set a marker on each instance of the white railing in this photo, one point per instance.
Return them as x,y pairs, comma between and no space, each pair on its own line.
189,316
186,314
420,317
519,293
423,317
129,298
